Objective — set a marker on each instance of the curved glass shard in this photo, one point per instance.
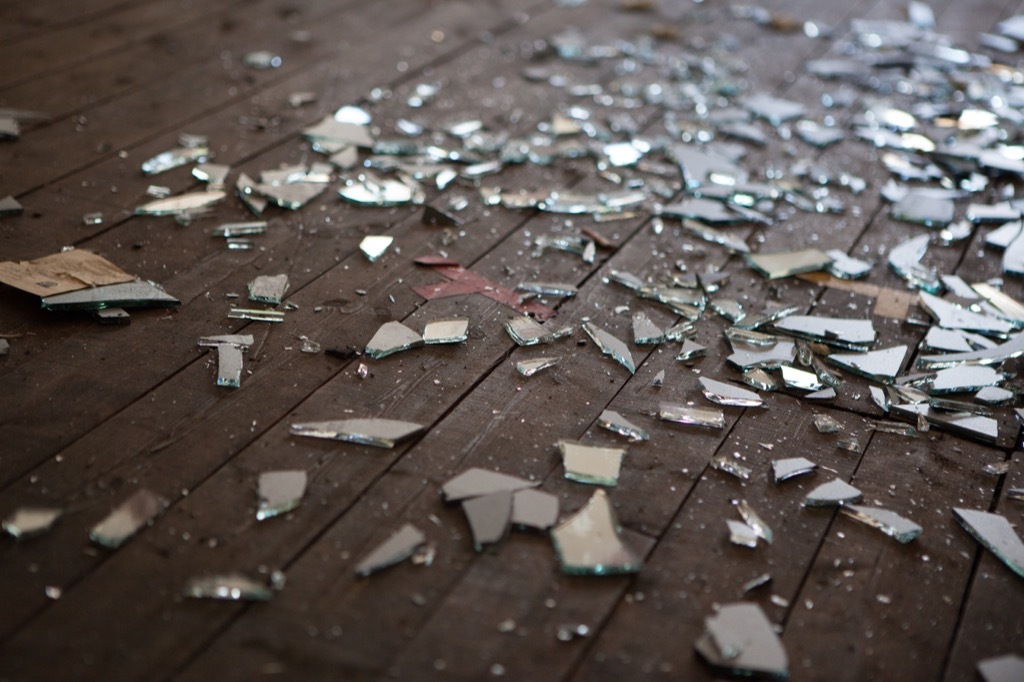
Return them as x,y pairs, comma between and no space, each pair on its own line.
611,346
280,492
589,541
402,544
832,494
381,433
128,518
892,524
996,534
230,587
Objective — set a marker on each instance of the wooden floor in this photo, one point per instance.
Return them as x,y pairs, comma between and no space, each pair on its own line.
90,413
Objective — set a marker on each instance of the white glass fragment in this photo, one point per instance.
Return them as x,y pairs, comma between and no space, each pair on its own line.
694,416
455,330
589,542
616,423
878,365
476,482
800,380
892,524
994,395
381,433
401,545
530,367
1013,348
905,261
137,294
996,534
788,263
832,494
740,639
374,246
610,345
645,332
280,492
392,337
1007,668
590,463
964,378
181,203
847,332
128,518
534,509
690,351
29,522
729,394
785,469
489,517
951,316
230,587
731,465
847,267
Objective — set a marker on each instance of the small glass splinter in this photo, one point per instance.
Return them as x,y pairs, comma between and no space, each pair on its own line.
741,534
890,523
381,433
280,492
590,463
832,494
126,520
616,423
374,246
28,522
996,534
402,544
588,542
231,587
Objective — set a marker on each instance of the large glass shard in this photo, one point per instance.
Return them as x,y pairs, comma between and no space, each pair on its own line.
530,367
974,426
489,516
1007,307
788,263
589,542
1008,668
690,351
878,365
700,163
1013,348
847,267
28,522
759,379
591,463
924,209
729,394
996,534
174,158
534,509
392,337
610,346
832,494
800,380
946,340
751,518
951,316
785,469
229,365
182,203
548,288
242,341
526,332
905,261
478,482
268,289
964,378
374,246
892,524
616,423
693,416
280,492
741,640
455,330
230,587
741,534
402,544
136,294
779,354
645,332
731,465
381,433
993,395
835,331
126,520
773,109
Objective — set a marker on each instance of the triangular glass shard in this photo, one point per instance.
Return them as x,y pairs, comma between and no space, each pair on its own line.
478,482
878,365
824,395
182,203
280,492
1008,668
905,261
847,267
731,465
826,424
1013,348
374,246
832,494
611,346
773,109
402,544
136,294
691,350
345,132
589,542
455,330
590,463
994,395
392,337
785,469
548,288
923,209
527,332
751,518
778,355
741,640
381,433
489,517
126,520
28,522
837,331
229,365
212,173
10,206
951,316
759,379
964,378
268,289
741,534
729,394
230,587
800,380
645,332
530,367
534,509
892,524
616,423
788,263
437,217
948,340
694,416
996,534
730,309
245,187
1004,235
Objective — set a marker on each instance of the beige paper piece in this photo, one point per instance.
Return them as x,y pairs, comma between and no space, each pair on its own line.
62,272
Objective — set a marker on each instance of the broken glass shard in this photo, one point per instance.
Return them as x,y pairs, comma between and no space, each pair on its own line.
455,330
392,337
374,246
478,482
370,190
715,236
610,345
923,209
739,638
755,522
381,433
256,315
800,380
439,218
228,230
996,534
10,206
997,468
847,267
837,331
778,355
489,516
242,341
728,308
741,534
1008,668
343,132
590,463
823,395
280,492
759,581
136,294
616,423
213,174
231,587
527,332
262,59
785,469
182,203
905,261
977,427
530,367
834,493
245,187
759,379
691,350
548,288
878,365
9,128
1013,256
951,316
994,395
826,424
645,332
946,340
773,109
534,509
693,416
731,465
126,520
589,541
402,544
229,365
816,134
729,394
28,522
892,524
964,378
987,356
174,158
268,289
788,263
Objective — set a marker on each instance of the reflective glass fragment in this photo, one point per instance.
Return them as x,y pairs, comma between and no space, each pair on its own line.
759,379
174,158
477,482
610,345
401,545
785,469
228,230
229,365
548,288
269,289
844,332
788,263
773,109
692,416
181,203
374,246
590,463
455,330
256,315
776,356
392,337
1008,668
994,395
826,424
996,534
741,534
534,509
729,394
691,350
280,492
10,206
139,510
616,423
136,294
892,524
905,261
847,267
715,236
834,493
741,640
589,542
731,465
1013,348
230,587
951,316
755,522
645,332
527,332
923,209
964,378
381,433
878,365
801,380
489,517
29,522
530,367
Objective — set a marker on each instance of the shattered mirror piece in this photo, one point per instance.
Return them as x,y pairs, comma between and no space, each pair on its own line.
878,365
987,356
530,367
127,519
693,416
1003,236
1008,668
380,433
836,331
788,263
777,356
974,426
616,423
722,393
489,517
741,534
175,158
437,217
229,230
213,174
262,59
280,492
773,109
818,135
343,132
964,378
527,332
374,246
994,395
230,587
823,395
740,639
478,482
269,289
847,267
826,424
136,294
611,346
590,463
690,351
29,522
946,340
256,315
905,261
241,341
923,209
730,309
534,509
715,236
645,332
62,272
832,494
548,288
10,206
245,187
951,316
996,534
785,469
759,379
800,380
755,522
892,524
229,365
455,330
402,544
730,465
9,128
589,541
181,203
392,337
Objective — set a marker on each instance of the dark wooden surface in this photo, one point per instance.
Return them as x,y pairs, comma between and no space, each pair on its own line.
88,414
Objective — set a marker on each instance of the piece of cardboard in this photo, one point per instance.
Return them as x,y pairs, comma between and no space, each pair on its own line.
62,272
